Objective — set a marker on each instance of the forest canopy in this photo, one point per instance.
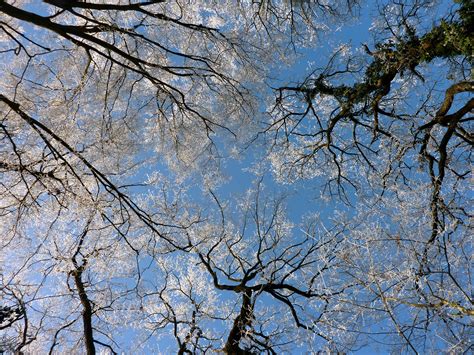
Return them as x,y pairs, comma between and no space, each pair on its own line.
240,177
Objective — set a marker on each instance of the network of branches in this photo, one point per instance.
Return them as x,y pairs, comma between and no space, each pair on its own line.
119,231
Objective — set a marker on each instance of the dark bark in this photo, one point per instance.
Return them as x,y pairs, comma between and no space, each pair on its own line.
86,312
243,320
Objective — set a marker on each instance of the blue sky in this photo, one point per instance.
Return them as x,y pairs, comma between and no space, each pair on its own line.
302,196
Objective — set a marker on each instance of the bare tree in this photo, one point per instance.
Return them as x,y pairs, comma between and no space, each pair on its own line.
116,115
394,128
283,279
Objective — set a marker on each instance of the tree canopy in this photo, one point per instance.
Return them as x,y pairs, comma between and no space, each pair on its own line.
124,124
